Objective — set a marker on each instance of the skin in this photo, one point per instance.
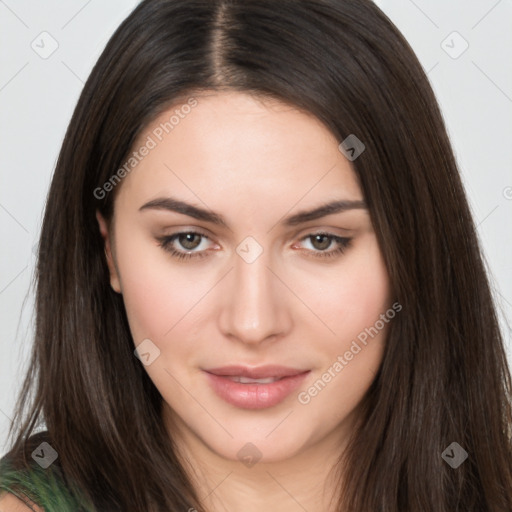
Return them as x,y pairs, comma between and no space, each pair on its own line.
254,162
10,503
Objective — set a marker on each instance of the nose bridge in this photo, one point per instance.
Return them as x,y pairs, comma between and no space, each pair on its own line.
254,306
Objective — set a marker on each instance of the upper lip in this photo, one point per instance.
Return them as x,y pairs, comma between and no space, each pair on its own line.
259,372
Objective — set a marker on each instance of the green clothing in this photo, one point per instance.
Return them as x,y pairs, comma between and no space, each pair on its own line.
45,486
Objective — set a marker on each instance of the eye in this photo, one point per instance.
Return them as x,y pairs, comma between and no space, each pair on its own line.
189,244
188,241
323,241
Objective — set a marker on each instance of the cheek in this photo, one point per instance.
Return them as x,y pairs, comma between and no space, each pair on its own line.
157,295
351,358
367,293
354,305
350,297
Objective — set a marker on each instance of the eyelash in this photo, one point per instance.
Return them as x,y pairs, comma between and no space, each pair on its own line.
166,241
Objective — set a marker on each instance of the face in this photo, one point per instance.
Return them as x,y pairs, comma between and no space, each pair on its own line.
259,322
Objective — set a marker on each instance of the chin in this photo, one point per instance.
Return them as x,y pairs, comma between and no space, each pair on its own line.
258,448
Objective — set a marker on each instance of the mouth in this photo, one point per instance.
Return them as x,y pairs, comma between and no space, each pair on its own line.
247,380
255,388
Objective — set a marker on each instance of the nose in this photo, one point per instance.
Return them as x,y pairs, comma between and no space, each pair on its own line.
255,305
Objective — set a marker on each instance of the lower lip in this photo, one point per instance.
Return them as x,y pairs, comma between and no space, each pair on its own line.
255,396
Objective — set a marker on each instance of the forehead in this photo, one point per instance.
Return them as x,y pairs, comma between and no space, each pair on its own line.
234,146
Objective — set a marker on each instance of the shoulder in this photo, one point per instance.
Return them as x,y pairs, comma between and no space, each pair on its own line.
11,503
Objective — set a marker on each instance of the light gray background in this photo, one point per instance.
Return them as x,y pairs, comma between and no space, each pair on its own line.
37,96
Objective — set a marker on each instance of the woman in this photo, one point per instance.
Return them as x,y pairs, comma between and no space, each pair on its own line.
259,282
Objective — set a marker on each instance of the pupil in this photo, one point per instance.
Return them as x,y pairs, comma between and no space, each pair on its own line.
187,241
319,238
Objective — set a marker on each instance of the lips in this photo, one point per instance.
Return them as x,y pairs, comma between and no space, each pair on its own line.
254,388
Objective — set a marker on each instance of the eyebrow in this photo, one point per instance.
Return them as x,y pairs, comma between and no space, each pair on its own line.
175,205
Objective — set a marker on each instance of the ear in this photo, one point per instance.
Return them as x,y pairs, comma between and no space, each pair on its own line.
114,275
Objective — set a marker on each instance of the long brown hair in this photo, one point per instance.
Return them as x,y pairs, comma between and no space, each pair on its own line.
444,377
